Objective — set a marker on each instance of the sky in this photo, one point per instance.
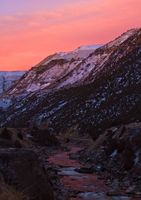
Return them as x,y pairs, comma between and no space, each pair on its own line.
30,30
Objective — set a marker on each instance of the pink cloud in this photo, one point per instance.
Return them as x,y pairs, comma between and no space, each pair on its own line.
27,38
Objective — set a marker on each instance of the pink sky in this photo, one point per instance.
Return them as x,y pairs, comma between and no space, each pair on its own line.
33,30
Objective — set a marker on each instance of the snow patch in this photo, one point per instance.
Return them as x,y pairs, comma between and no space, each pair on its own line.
122,38
137,158
114,153
33,87
89,47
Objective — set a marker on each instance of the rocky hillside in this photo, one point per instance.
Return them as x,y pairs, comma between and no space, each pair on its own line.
7,79
116,155
93,92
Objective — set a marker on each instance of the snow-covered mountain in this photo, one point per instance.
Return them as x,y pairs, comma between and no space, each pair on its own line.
8,78
94,90
69,69
54,71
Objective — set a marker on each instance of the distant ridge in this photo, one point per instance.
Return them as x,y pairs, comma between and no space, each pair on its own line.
7,78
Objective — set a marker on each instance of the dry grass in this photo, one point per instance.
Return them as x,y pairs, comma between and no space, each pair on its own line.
73,135
9,193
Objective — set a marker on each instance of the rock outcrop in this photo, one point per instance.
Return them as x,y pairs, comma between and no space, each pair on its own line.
117,152
22,170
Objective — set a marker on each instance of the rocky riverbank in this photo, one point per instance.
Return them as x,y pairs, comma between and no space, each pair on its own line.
44,167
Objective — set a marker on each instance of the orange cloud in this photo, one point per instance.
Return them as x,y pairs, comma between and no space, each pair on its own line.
27,38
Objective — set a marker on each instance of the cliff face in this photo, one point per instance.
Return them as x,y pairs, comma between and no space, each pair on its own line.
99,91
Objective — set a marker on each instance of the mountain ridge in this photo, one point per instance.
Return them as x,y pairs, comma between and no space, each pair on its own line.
108,95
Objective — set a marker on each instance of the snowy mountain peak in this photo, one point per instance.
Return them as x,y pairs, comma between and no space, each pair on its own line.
79,53
88,47
122,38
70,69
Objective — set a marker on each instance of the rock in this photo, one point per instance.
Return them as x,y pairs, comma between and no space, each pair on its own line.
128,158
44,138
138,194
11,138
22,170
18,144
114,193
5,134
5,143
130,190
118,151
85,170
